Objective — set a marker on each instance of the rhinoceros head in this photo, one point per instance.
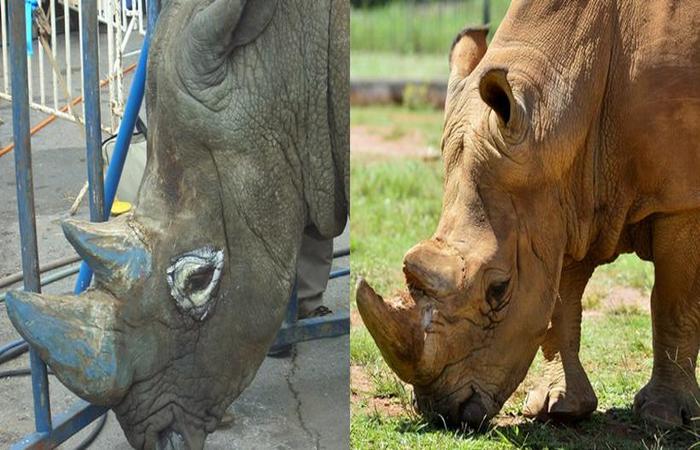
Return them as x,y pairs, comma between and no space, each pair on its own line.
248,147
481,291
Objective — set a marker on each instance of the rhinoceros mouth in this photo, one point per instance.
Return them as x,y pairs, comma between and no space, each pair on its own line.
466,406
171,440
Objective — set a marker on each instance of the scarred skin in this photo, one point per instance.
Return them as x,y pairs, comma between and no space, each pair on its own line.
574,139
248,148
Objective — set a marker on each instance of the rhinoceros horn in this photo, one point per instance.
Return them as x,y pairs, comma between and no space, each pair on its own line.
78,338
395,327
113,250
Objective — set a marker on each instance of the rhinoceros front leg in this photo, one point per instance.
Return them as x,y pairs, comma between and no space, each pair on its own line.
672,398
565,393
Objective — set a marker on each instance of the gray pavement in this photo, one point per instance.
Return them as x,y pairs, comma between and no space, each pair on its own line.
300,402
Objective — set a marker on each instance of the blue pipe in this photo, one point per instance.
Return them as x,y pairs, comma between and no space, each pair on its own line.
10,346
339,273
25,196
126,130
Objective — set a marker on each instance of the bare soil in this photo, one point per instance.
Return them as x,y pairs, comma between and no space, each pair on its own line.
361,388
378,142
616,299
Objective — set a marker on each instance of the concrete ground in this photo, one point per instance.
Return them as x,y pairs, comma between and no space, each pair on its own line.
301,402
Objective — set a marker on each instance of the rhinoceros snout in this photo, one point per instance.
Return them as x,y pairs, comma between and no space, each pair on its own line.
468,407
474,413
171,440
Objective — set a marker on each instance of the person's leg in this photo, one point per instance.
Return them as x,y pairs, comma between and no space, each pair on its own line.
313,269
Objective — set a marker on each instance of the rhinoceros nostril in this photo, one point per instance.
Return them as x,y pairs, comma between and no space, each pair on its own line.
169,439
474,413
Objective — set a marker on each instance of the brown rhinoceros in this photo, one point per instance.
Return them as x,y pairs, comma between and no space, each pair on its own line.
248,149
574,138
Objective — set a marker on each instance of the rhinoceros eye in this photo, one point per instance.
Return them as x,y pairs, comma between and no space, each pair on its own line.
194,279
496,293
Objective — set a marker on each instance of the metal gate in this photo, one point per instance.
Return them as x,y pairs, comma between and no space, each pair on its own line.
55,55
51,430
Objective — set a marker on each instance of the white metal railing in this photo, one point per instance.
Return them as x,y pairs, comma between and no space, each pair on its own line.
56,60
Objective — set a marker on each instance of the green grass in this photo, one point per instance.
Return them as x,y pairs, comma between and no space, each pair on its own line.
389,66
628,270
410,27
395,205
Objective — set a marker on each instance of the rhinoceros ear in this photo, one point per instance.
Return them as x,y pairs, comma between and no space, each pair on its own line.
467,50
214,32
227,24
497,93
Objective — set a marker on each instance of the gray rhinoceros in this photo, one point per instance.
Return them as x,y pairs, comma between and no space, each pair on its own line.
248,148
574,138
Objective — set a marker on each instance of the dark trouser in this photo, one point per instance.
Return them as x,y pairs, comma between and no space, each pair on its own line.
313,268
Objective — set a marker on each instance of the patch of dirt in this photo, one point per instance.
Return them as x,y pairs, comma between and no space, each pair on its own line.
508,420
617,299
378,142
626,298
355,318
361,388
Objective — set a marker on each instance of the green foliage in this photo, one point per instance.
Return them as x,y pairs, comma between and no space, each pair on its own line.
368,3
415,96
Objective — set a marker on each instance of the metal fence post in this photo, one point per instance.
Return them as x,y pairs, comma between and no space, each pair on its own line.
93,116
25,196
487,12
121,146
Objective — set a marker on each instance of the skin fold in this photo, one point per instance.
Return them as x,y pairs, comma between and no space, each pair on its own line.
571,140
248,149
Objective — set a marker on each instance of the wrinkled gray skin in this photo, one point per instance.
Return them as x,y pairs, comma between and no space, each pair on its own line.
248,147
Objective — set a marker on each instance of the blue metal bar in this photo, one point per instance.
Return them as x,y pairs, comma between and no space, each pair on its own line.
152,11
314,328
292,308
10,346
77,417
339,273
121,147
294,330
54,277
25,196
93,117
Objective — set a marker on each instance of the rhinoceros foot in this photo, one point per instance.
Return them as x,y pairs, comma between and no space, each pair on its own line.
668,406
563,397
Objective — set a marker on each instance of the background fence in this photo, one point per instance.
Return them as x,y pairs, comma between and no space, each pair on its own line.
417,26
55,55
